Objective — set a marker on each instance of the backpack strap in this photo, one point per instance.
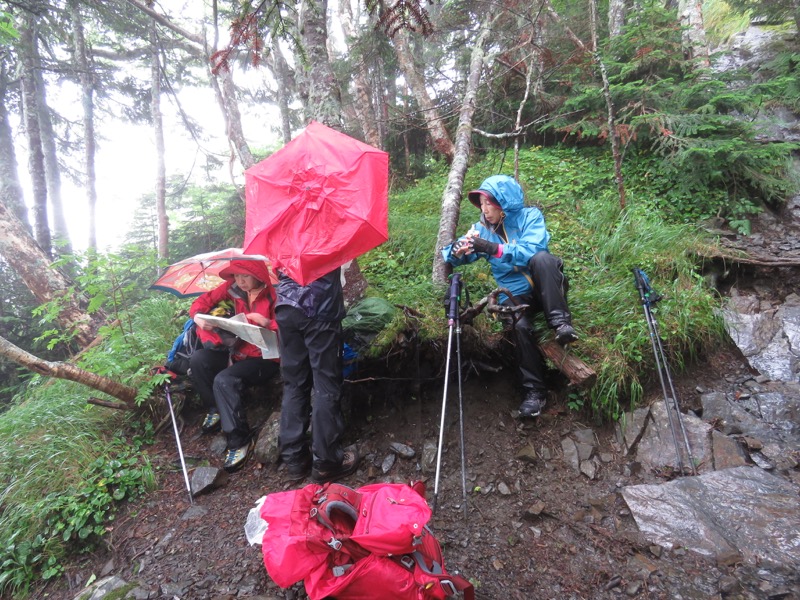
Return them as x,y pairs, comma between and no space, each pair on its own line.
332,501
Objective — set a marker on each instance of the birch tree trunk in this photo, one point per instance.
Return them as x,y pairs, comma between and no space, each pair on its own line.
86,78
158,134
285,84
690,13
617,10
451,199
416,83
29,261
41,225
324,103
67,371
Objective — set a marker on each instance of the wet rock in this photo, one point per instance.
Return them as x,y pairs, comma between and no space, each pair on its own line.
429,451
589,468
503,489
727,452
699,513
570,453
388,463
527,454
630,429
402,450
195,511
266,450
100,589
657,450
534,510
205,479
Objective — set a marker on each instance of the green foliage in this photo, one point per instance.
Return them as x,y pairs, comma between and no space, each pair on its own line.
65,473
600,246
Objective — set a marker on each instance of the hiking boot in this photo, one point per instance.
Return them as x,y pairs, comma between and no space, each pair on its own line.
565,334
299,470
348,466
236,458
533,404
211,423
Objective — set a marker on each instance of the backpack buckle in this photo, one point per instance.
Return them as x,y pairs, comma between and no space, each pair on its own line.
335,544
448,587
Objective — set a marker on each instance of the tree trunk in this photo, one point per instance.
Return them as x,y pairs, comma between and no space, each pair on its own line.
52,171
10,189
451,199
158,133
67,371
365,111
695,44
324,102
32,265
617,11
282,74
41,225
416,82
86,78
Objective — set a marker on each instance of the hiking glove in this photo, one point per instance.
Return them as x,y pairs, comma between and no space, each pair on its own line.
484,246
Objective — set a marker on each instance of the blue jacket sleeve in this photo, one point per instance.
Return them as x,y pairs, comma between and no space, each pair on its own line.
532,237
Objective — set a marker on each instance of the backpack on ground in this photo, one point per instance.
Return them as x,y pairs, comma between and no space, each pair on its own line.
346,544
182,348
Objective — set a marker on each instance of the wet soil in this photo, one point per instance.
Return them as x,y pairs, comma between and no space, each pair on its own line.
534,527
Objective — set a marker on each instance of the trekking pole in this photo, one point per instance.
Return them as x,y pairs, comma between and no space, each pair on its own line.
452,319
455,315
178,441
649,297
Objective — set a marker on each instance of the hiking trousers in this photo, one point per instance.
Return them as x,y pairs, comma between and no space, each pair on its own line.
221,387
549,296
311,362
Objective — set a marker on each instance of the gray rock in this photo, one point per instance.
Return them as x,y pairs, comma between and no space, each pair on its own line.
205,479
570,453
740,510
101,588
402,450
388,463
266,450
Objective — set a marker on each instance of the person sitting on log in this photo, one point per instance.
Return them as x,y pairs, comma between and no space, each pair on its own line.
513,238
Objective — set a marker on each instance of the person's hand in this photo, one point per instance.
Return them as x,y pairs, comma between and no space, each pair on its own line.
460,247
203,324
257,319
484,246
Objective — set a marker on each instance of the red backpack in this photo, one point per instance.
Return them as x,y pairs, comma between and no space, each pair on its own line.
361,544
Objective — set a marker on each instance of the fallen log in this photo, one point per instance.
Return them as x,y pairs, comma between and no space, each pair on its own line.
578,373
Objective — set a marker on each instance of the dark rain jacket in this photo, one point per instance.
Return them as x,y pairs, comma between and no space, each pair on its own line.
321,300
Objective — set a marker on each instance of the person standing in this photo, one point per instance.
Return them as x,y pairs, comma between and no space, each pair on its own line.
514,239
226,365
310,336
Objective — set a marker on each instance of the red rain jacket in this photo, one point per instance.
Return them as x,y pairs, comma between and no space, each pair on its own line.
264,304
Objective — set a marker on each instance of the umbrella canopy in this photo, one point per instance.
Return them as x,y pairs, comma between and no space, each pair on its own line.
199,274
317,203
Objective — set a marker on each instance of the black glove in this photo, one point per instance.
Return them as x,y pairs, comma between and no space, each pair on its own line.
484,246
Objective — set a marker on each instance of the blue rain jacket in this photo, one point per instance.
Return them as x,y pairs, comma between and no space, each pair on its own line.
522,233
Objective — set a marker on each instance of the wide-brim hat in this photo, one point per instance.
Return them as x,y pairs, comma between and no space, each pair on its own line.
475,197
256,268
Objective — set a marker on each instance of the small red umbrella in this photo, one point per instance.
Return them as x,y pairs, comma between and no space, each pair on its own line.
317,203
199,274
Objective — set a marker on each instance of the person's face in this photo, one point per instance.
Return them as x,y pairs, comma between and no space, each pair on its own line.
246,282
491,212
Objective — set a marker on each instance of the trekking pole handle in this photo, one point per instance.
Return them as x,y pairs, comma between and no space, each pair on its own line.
647,294
454,296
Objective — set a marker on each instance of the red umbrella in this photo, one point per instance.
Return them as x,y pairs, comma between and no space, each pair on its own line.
198,274
317,203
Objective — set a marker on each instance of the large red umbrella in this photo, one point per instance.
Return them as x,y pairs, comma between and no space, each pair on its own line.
198,274
317,203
